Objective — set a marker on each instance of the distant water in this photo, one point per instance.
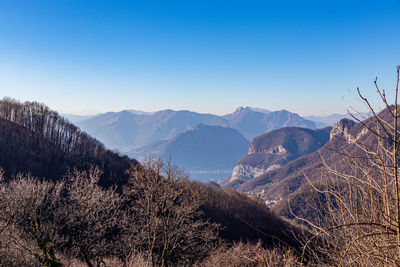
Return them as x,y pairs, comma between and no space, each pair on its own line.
205,176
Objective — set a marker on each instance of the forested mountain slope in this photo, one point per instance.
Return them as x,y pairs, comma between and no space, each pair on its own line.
37,140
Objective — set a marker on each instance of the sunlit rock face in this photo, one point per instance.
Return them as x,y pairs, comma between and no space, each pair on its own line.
341,129
274,149
247,172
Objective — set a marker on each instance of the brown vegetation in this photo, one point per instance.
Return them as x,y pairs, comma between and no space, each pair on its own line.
75,217
166,216
160,219
244,218
250,255
361,225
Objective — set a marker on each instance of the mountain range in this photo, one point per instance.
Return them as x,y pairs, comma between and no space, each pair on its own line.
330,120
140,134
251,122
127,130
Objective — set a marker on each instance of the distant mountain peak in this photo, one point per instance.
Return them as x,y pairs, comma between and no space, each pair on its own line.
342,129
241,109
166,111
248,109
139,112
199,126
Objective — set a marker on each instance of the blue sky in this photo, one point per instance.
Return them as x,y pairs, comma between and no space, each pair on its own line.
206,56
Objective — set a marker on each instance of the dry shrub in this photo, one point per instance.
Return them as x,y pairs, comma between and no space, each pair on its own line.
250,255
134,259
138,260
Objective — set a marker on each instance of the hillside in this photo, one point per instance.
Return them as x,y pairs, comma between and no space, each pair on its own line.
42,143
279,183
203,148
290,182
246,218
275,149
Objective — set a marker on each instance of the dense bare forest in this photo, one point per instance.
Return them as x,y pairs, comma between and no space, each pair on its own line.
37,140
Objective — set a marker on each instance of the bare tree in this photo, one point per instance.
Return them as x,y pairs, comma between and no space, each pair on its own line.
168,223
362,192
28,210
93,218
43,221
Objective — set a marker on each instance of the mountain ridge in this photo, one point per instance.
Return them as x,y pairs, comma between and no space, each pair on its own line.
126,131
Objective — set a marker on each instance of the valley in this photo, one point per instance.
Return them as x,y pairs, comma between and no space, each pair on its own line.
141,134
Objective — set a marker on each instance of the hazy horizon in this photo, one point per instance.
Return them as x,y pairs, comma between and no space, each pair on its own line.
94,113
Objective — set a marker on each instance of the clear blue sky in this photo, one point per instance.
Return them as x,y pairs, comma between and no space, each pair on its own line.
206,56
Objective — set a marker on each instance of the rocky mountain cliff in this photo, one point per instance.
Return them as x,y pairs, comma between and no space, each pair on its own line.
274,149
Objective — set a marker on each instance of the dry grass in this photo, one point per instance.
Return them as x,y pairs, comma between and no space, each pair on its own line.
250,255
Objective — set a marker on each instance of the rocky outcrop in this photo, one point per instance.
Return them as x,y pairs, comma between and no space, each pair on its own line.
272,150
341,129
246,172
279,149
